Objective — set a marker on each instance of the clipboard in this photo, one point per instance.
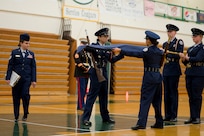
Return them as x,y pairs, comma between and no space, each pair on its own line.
14,79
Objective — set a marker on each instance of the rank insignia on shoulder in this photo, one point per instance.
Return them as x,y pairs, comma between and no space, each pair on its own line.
181,42
145,49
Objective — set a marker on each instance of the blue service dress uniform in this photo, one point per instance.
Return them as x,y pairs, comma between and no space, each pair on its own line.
26,68
171,75
82,77
151,90
97,88
195,80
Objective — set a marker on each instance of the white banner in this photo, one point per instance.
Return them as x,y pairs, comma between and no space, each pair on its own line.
122,8
149,8
80,13
190,15
160,9
175,12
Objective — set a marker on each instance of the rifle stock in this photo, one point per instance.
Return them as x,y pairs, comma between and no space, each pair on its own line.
99,72
165,52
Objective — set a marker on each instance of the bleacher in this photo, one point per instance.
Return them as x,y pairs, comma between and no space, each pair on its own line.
55,68
52,58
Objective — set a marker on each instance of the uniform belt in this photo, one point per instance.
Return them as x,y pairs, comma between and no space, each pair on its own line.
151,69
196,64
171,60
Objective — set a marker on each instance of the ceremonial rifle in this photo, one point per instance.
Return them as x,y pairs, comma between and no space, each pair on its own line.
165,52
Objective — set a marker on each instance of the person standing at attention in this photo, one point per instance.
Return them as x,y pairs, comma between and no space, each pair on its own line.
171,73
151,90
194,62
22,61
83,63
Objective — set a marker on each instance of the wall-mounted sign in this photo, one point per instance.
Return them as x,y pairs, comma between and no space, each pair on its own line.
80,13
200,17
83,2
189,14
131,9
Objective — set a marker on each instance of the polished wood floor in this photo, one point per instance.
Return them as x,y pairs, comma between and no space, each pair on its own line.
57,116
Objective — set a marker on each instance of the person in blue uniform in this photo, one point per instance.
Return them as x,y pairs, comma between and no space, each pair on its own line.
171,73
83,63
194,62
99,79
151,90
22,61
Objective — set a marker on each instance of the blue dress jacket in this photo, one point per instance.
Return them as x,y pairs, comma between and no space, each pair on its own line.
195,65
172,66
151,57
24,66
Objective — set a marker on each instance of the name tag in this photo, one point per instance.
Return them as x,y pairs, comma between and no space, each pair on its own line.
17,56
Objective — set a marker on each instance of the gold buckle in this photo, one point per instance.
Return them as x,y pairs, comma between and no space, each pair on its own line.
188,65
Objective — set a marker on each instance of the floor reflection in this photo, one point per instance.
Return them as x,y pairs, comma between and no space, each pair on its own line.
17,131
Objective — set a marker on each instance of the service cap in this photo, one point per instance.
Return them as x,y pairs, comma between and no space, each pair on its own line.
24,37
151,35
171,27
103,31
196,31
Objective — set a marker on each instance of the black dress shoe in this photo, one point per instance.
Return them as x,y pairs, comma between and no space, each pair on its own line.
196,121
110,121
15,120
173,120
160,126
188,121
137,127
24,118
87,123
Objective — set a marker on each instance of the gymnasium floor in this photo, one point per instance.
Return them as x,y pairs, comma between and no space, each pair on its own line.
57,116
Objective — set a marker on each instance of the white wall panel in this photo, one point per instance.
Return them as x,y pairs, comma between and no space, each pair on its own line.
12,20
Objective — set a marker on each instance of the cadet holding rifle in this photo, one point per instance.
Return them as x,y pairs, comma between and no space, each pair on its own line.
99,80
171,73
194,62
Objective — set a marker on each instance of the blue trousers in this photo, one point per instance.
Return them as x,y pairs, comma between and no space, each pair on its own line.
21,91
194,86
150,94
171,96
99,89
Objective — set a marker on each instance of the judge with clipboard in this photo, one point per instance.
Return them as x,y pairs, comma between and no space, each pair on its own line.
21,74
